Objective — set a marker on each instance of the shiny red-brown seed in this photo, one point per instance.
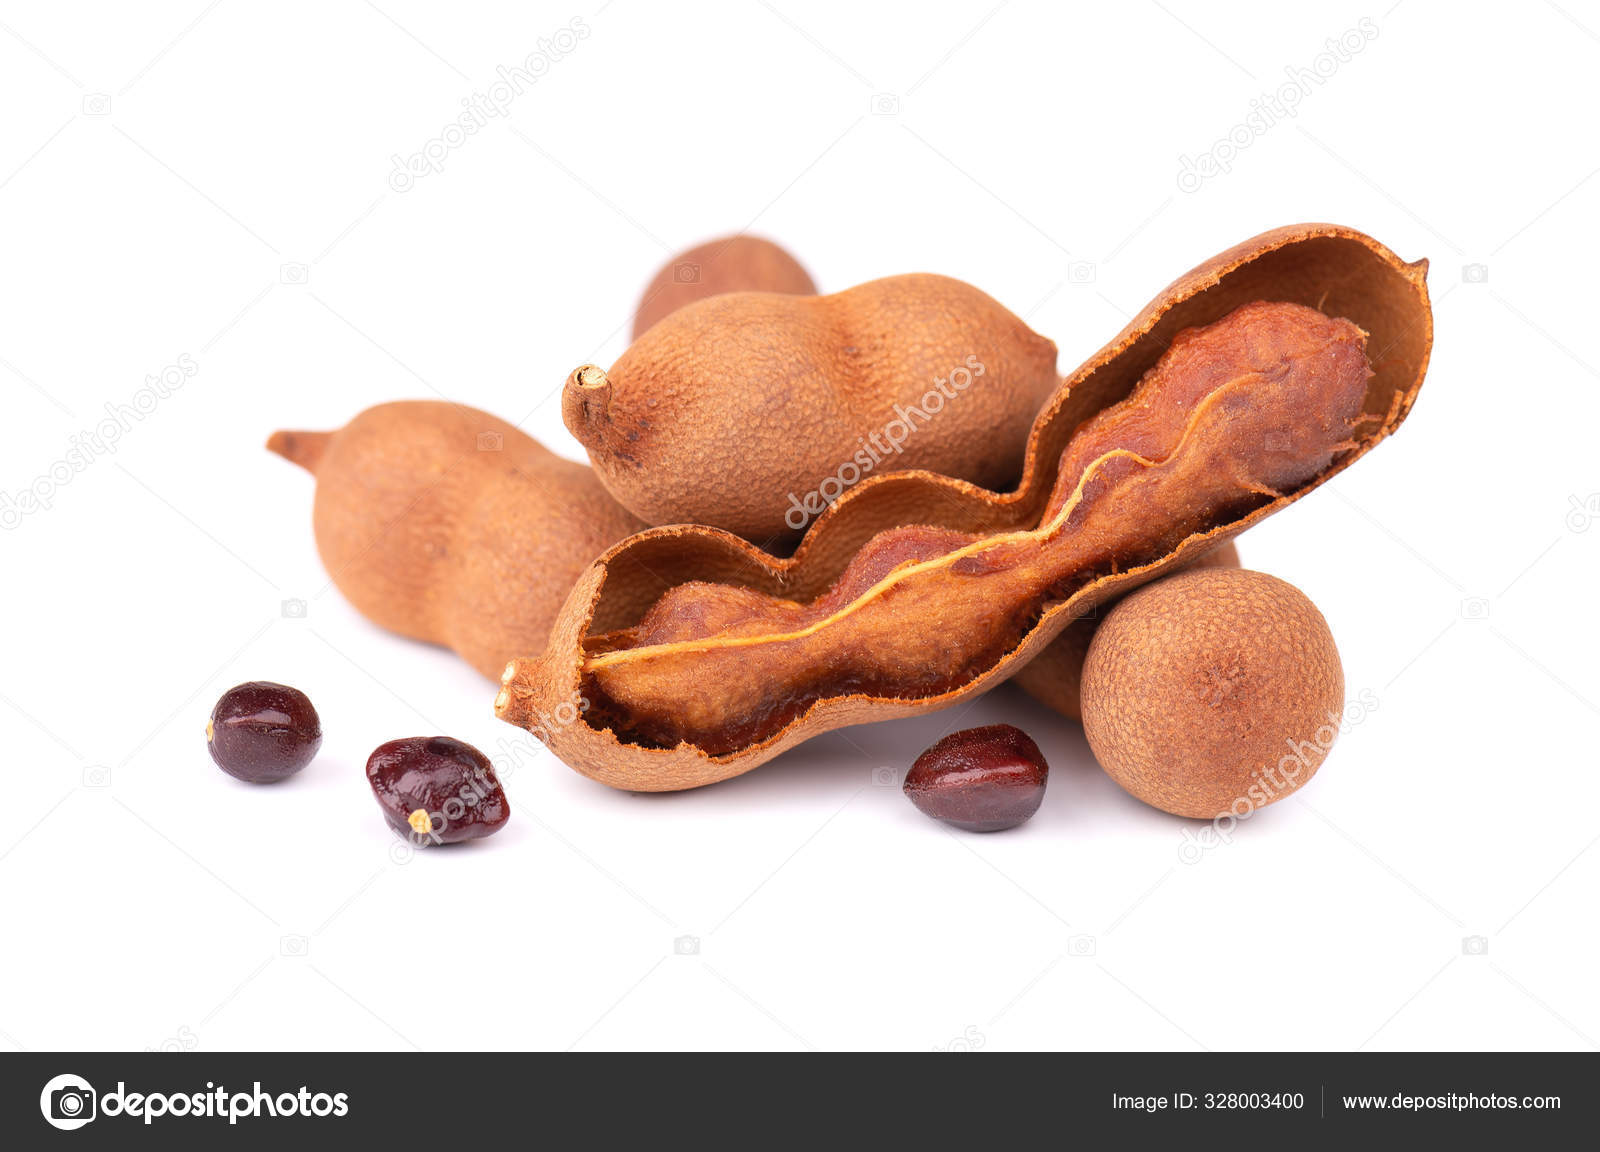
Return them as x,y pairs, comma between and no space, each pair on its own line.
981,779
263,732
437,790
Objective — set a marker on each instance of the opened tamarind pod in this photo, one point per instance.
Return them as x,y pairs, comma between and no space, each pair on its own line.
721,667
701,657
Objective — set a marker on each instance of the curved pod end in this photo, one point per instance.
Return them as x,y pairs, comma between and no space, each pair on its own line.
302,448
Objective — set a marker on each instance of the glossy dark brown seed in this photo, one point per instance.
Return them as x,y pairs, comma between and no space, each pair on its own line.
981,779
263,732
437,790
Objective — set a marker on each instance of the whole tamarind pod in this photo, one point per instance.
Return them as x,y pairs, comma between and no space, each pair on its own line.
737,263
1055,676
449,525
752,411
871,620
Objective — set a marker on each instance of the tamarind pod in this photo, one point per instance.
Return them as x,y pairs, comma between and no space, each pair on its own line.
720,666
750,411
1335,269
448,525
736,263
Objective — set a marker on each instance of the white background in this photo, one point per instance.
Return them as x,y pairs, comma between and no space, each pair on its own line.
160,163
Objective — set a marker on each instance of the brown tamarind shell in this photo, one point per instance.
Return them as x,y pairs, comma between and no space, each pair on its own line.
1337,270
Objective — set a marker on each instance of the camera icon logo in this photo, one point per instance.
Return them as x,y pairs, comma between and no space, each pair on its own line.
885,777
970,1040
1582,513
1080,946
97,104
686,272
97,776
1193,847
1474,945
490,441
1278,442
1081,272
184,1041
294,274
294,609
292,945
1474,273
68,1102
686,946
1474,608
885,104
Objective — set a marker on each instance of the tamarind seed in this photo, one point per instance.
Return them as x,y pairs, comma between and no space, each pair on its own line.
437,790
980,779
262,732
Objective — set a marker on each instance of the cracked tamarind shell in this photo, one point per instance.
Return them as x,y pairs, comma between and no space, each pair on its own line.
751,411
1335,269
1213,692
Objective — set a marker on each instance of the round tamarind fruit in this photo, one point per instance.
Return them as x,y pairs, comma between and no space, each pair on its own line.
737,263
754,411
1055,676
448,525
1213,692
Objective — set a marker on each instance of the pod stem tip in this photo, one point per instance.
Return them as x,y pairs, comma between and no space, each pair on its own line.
302,448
